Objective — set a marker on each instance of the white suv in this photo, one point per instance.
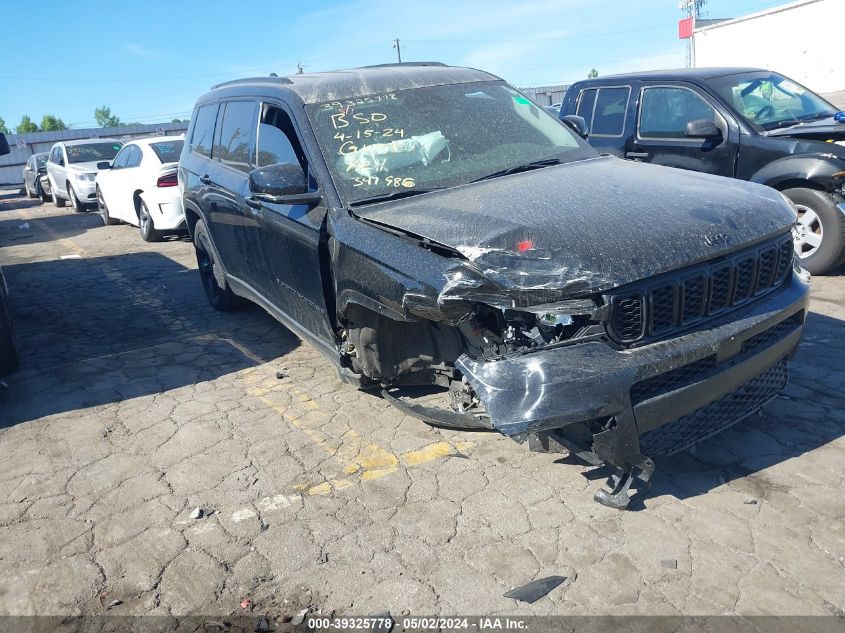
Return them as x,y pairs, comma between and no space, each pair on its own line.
72,170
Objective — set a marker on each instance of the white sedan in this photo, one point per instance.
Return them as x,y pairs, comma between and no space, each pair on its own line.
140,187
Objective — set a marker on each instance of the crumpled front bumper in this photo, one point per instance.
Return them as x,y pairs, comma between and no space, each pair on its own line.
553,388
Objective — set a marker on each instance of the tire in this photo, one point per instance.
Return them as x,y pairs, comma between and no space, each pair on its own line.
74,201
146,226
58,200
104,210
9,358
819,233
45,197
219,296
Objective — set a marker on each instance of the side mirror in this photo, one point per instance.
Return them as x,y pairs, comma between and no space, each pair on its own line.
4,145
577,123
283,183
104,164
703,128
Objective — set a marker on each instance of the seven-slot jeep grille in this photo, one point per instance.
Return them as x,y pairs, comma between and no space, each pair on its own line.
660,308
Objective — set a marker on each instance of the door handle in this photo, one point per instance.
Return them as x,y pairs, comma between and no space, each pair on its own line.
205,179
636,155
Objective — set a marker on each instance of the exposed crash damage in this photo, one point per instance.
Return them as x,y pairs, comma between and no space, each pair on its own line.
488,270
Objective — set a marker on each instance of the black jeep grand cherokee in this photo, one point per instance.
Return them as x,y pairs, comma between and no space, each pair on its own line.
444,240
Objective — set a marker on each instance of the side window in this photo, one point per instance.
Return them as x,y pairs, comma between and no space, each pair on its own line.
586,101
122,157
203,129
134,157
237,135
277,140
666,110
609,114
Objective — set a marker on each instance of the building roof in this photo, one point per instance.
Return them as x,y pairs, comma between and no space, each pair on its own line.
346,84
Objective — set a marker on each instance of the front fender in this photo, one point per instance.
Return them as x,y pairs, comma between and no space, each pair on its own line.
817,168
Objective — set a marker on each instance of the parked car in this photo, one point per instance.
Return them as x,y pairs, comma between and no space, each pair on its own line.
140,187
750,124
4,145
72,170
8,347
433,231
35,167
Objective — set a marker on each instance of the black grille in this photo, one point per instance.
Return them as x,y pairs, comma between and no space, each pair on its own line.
679,300
627,320
671,380
707,366
716,416
773,334
663,303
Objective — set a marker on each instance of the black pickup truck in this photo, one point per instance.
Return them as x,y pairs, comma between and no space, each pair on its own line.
744,123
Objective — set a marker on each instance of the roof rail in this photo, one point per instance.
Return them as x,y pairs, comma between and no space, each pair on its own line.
395,64
253,80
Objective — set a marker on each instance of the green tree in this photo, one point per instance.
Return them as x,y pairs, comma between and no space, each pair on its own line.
593,74
3,128
105,118
26,125
51,123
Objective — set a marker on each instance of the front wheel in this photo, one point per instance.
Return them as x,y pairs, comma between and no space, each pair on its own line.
145,224
57,200
104,210
8,345
74,201
217,290
819,232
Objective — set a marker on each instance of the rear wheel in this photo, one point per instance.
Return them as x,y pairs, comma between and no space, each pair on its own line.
145,224
217,290
104,210
819,232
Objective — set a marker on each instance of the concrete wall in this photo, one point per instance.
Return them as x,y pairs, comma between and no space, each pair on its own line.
802,40
11,165
546,95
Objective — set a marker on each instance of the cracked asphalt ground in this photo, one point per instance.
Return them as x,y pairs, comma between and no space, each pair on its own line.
136,402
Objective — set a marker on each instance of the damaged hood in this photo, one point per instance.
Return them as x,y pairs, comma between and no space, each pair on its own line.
585,227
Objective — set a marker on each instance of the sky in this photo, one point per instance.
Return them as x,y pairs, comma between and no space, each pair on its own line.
149,61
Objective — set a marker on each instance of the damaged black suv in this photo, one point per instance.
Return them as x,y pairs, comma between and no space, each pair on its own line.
447,242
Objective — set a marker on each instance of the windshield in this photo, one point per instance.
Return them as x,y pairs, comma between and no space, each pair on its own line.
769,101
168,151
422,139
91,152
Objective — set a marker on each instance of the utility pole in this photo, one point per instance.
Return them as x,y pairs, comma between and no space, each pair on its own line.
299,68
398,50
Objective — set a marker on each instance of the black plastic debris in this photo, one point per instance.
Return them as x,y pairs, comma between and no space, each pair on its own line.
535,589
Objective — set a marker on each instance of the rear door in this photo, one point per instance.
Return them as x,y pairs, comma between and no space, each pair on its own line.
233,157
605,109
660,138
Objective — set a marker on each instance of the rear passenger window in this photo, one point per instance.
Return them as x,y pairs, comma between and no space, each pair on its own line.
585,104
237,135
203,131
666,110
609,113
